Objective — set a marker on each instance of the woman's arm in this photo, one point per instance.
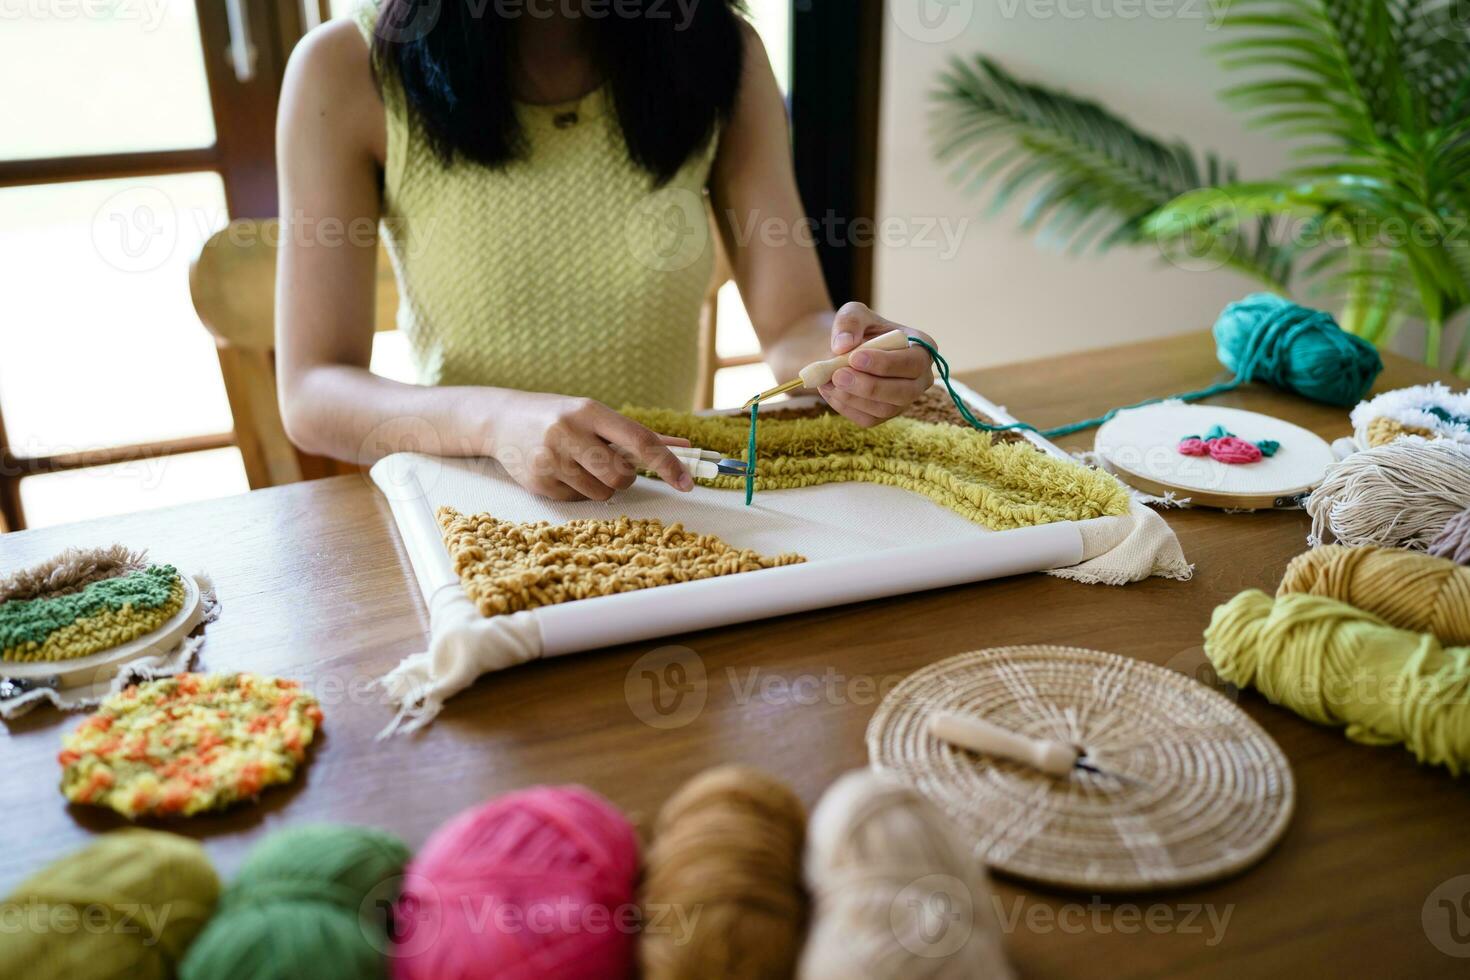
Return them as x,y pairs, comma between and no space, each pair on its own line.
753,187
330,145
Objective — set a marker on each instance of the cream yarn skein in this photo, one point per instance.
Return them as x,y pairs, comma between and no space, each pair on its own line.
896,893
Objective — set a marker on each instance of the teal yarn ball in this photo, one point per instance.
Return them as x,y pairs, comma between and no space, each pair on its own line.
1266,338
309,902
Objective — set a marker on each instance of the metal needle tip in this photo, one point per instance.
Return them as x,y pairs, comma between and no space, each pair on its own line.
791,385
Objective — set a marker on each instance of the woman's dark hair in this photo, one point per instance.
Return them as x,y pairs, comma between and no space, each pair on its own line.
672,69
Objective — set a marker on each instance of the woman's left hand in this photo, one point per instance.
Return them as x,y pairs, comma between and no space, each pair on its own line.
877,384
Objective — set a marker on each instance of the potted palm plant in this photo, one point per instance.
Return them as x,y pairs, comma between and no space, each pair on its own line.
1374,96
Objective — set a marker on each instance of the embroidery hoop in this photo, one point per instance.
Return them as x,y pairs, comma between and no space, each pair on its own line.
1141,447
100,667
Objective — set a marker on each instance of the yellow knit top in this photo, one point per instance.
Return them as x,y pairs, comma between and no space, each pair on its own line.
565,271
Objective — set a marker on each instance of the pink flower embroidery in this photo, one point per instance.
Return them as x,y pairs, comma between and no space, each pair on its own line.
1231,449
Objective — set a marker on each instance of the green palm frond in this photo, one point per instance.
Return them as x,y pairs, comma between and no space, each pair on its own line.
1093,178
1374,96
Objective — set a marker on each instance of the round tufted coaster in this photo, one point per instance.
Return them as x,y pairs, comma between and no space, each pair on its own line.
185,744
1205,793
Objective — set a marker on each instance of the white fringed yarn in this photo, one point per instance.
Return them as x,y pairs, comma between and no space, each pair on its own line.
1410,407
1400,495
895,893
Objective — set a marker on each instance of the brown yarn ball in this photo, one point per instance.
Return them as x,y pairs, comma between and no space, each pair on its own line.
722,893
1453,541
1403,588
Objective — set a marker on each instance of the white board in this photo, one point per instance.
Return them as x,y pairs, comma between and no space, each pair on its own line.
862,541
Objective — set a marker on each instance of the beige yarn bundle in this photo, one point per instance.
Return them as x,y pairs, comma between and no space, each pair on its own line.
1399,495
895,892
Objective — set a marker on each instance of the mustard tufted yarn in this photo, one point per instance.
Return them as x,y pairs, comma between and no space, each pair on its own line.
1383,430
1403,588
565,271
998,485
507,567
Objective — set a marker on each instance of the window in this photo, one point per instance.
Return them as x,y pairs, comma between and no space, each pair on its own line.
110,391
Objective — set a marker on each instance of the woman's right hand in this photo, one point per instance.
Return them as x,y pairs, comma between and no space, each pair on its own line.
570,448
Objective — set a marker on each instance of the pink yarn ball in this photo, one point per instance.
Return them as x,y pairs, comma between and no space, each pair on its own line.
539,883
1193,446
1230,449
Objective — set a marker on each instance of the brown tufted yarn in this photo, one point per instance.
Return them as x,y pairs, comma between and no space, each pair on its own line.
722,894
508,567
1404,588
1453,541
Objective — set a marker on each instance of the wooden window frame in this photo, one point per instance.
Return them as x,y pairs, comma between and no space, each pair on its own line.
243,155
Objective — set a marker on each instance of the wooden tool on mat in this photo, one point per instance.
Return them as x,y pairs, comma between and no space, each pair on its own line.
1044,754
818,373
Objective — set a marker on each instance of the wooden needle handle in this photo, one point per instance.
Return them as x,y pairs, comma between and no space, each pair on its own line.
978,735
818,373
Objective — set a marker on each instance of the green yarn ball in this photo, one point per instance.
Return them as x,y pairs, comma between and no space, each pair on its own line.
1266,338
127,905
309,902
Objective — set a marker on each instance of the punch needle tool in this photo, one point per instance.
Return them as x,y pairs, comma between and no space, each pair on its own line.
1051,756
818,373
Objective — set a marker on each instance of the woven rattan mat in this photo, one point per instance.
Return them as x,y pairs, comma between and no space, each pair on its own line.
1208,791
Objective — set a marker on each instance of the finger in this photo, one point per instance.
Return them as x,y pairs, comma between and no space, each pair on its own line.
553,490
605,463
869,406
844,405
583,482
646,448
673,440
912,362
853,323
893,391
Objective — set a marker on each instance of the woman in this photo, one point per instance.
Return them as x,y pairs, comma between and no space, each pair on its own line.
538,168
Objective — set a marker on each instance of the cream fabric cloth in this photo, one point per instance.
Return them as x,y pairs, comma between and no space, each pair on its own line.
1127,549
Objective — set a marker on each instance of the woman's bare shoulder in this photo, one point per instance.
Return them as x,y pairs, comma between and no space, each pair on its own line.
329,82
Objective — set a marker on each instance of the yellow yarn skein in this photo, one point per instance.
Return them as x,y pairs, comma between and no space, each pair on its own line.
1404,588
1337,665
126,905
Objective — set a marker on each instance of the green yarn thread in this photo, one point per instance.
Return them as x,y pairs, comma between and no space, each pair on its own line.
305,904
1261,338
126,905
755,407
32,620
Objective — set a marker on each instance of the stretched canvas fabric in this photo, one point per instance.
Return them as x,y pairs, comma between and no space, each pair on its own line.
861,541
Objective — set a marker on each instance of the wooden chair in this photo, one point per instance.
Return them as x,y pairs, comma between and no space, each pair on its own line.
233,285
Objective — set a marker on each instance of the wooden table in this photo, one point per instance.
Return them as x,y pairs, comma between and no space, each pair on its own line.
315,585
